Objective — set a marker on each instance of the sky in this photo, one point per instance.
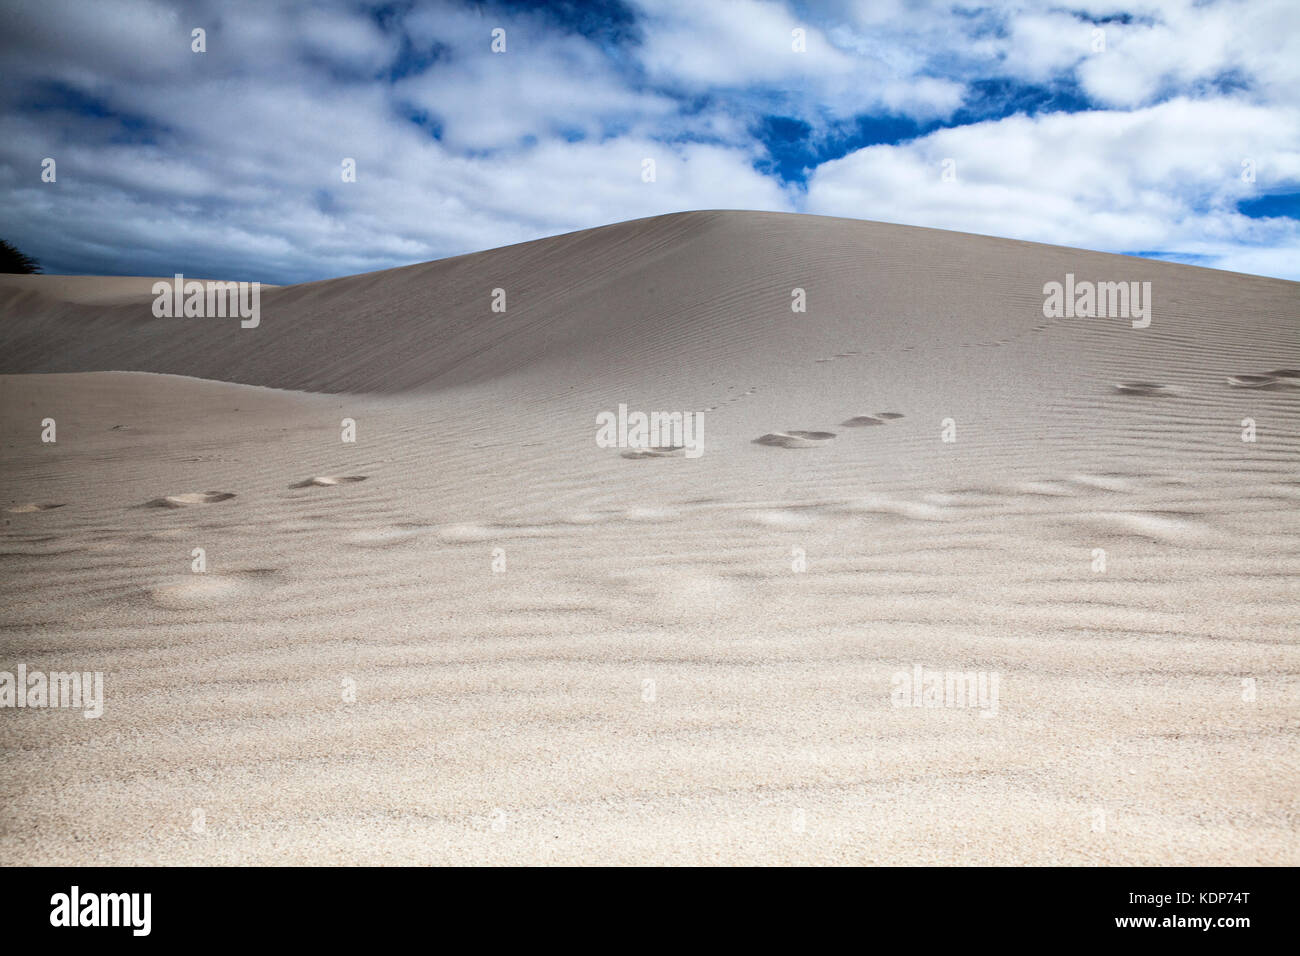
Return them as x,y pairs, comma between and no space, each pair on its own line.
1168,129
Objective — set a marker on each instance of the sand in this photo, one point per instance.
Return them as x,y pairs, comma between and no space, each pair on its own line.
646,677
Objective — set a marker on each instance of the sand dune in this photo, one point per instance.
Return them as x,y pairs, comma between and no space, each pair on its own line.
508,644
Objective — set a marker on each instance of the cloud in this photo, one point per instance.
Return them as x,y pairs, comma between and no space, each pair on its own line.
542,87
1148,179
735,45
228,162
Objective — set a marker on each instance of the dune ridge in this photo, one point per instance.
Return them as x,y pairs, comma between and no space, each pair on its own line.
698,287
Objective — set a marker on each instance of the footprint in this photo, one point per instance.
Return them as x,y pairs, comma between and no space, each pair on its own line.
190,498
795,439
781,518
582,518
1102,482
203,590
466,533
1252,381
1168,529
880,418
33,507
885,505
327,481
668,451
1143,388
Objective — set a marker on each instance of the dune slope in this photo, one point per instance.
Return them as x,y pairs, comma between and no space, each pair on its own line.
475,635
691,291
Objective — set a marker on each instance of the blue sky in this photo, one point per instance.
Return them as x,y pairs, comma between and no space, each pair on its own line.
1170,128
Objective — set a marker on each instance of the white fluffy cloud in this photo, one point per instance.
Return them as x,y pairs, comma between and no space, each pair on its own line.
228,162
1145,180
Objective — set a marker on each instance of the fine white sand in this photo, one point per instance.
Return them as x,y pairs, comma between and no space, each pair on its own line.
648,679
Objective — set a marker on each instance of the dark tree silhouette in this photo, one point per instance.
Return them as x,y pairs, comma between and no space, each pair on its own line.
11,260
